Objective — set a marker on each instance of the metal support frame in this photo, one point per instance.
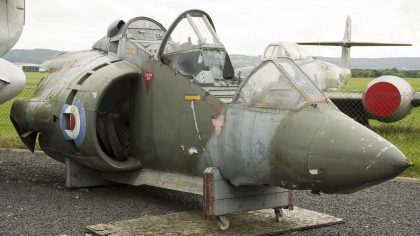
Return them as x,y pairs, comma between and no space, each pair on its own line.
79,176
221,198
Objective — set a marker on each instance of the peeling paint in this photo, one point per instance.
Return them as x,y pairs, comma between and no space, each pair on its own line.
378,156
313,171
192,150
218,123
182,147
370,164
382,151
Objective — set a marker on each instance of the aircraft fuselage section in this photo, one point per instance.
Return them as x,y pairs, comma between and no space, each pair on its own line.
12,19
151,102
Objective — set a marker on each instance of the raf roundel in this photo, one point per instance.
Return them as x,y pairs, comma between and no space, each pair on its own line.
73,122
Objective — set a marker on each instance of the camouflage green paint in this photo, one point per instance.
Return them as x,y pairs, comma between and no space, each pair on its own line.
164,120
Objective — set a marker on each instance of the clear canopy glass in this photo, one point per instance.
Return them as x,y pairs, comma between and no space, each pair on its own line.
280,84
145,30
192,32
285,49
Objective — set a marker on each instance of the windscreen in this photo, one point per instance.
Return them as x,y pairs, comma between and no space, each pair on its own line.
279,84
192,48
206,34
301,80
303,53
192,32
145,30
286,49
269,52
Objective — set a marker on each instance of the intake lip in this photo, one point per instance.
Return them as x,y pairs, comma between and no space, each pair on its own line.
28,138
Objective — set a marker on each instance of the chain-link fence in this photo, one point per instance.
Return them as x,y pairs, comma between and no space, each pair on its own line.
389,113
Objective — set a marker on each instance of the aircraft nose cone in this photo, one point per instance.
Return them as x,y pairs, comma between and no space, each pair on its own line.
346,157
387,163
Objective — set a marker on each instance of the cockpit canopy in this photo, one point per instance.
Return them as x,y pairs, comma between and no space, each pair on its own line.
192,32
192,48
279,84
145,33
286,49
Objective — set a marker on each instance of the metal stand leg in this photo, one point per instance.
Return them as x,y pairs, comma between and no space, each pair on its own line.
79,176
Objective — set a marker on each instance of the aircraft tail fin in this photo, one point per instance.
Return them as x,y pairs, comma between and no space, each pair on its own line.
345,49
346,43
347,30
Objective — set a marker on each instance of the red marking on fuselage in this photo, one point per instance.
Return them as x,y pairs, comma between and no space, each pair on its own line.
382,99
148,76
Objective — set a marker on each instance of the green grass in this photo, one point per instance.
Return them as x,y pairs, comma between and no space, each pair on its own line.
405,134
359,84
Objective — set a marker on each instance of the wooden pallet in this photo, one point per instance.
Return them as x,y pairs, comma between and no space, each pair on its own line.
260,222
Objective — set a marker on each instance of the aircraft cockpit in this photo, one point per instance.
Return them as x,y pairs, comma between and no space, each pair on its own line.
145,33
278,83
286,49
192,48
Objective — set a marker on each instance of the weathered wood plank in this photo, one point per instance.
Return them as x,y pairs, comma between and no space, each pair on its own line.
260,222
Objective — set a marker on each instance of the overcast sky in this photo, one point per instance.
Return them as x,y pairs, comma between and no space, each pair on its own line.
245,26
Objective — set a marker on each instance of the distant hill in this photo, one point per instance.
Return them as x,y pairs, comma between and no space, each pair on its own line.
35,56
400,63
239,60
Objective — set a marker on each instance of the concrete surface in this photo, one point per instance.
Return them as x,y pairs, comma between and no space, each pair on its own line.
33,201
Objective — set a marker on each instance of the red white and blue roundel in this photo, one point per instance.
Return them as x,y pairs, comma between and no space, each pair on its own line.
73,122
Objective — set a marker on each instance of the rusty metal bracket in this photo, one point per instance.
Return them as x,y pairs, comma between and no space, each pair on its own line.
290,200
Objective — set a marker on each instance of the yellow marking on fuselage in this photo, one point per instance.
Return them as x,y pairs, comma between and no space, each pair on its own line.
192,97
130,51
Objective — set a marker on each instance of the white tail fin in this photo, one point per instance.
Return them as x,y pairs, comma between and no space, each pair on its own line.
345,47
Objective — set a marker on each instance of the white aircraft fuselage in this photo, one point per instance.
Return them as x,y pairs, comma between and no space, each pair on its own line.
12,19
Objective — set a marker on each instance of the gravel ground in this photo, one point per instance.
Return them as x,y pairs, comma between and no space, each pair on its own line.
33,201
